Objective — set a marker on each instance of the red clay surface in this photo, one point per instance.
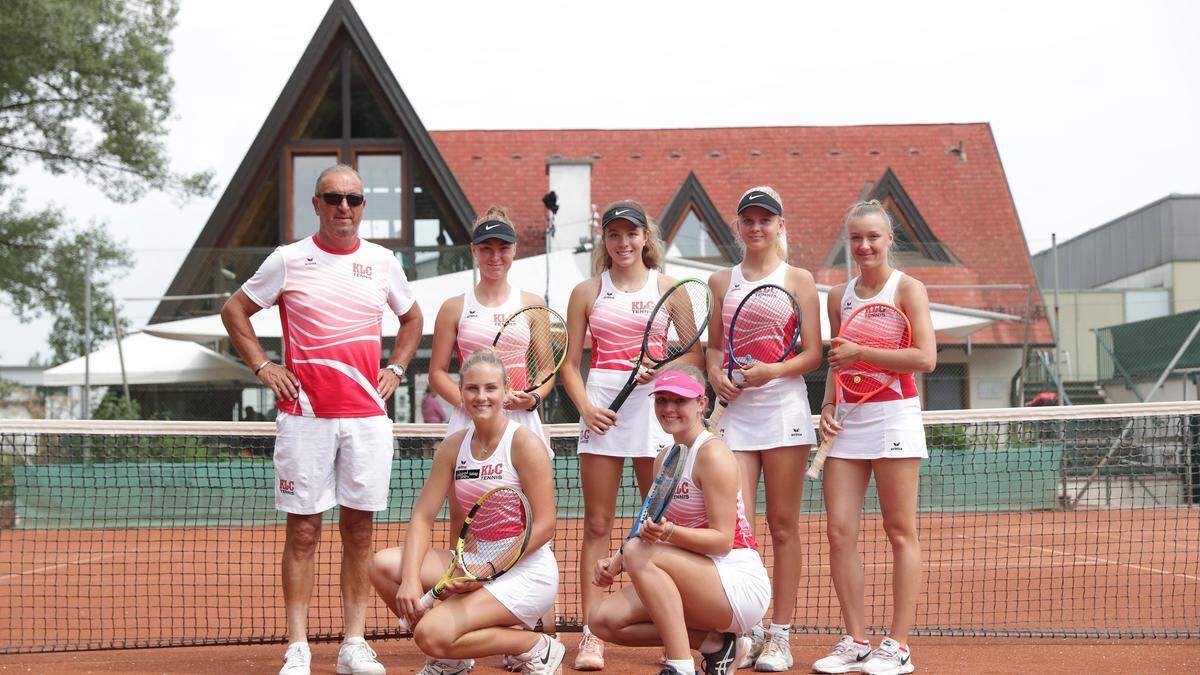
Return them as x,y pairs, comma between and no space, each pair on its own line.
1129,571
931,655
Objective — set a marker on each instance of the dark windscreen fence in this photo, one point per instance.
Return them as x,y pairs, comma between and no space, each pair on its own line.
1033,522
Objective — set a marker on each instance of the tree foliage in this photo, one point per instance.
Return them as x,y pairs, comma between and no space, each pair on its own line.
84,89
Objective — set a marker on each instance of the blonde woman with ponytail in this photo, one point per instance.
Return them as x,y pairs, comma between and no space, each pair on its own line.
885,438
766,423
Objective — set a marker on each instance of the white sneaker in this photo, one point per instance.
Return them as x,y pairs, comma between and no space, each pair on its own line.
446,667
847,657
890,658
758,638
591,653
357,658
776,654
297,660
546,659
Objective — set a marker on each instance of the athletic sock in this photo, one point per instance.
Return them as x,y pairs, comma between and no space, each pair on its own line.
586,630
780,627
683,666
534,650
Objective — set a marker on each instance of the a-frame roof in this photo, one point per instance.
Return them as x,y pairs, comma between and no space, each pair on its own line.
341,21
692,193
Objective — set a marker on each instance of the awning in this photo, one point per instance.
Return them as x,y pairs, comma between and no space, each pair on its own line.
151,360
567,269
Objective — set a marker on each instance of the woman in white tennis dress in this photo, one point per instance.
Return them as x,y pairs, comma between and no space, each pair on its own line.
476,620
470,321
697,578
613,307
767,421
883,437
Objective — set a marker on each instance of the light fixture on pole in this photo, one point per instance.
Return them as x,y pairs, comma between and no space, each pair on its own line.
550,201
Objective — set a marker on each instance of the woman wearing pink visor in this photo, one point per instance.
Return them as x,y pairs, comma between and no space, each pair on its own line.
697,580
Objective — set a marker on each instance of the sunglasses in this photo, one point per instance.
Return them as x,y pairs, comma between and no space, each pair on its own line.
335,199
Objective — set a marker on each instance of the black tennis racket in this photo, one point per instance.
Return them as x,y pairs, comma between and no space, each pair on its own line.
765,329
493,538
675,326
532,344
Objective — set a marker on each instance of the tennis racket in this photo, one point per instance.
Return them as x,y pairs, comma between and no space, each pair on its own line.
765,329
876,325
662,491
532,344
675,325
493,538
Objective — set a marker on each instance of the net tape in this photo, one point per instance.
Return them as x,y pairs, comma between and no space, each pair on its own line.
1034,522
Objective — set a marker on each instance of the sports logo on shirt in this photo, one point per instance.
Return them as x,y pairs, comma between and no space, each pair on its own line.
287,487
608,295
471,314
642,306
466,474
310,262
499,319
735,286
683,491
491,472
362,271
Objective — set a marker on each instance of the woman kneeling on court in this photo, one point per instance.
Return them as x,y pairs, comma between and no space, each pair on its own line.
697,578
474,619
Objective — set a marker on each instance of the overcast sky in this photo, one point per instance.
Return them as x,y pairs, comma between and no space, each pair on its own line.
1093,104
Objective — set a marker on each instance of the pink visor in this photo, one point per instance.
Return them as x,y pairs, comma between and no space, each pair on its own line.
678,382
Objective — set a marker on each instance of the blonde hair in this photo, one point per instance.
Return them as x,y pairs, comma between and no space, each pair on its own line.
485,355
652,252
871,207
781,240
499,213
697,375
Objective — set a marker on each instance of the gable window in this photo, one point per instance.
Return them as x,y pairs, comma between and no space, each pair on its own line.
385,196
694,229
692,241
915,242
305,169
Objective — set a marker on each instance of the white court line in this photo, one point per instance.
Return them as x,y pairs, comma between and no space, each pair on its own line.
1057,552
50,568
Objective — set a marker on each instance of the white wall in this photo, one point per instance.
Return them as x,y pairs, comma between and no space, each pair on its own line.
989,373
572,182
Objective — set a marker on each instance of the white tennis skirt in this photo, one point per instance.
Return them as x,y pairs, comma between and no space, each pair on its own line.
459,419
746,585
882,430
529,588
775,415
637,432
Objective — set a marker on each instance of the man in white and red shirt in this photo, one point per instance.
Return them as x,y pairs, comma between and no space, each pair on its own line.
334,438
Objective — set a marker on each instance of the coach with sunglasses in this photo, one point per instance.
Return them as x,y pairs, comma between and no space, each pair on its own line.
333,442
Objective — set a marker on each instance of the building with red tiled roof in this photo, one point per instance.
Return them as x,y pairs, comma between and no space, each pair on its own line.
957,225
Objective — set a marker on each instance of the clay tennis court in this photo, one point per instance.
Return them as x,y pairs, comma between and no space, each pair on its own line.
997,574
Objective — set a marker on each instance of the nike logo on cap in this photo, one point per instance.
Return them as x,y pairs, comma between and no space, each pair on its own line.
620,211
754,196
489,227
664,378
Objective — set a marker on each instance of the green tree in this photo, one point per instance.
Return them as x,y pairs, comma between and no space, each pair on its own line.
84,89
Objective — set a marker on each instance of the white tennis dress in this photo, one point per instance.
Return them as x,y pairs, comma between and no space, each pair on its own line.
617,324
888,426
528,589
776,414
477,328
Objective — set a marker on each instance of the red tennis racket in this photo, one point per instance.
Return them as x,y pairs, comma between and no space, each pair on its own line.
875,325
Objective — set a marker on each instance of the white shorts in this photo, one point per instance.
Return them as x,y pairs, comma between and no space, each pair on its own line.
775,415
459,419
746,585
882,430
323,461
637,433
529,588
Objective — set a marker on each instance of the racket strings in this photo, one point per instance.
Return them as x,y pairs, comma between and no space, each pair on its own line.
764,330
679,320
875,326
531,345
496,536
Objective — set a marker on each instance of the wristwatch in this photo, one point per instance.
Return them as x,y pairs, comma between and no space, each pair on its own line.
397,369
537,401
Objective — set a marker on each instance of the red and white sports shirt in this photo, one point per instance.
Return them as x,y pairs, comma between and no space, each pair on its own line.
331,307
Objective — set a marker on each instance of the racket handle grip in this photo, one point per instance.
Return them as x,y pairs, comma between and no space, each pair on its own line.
717,412
818,461
622,395
427,601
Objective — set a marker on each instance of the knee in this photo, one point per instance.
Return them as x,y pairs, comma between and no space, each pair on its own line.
433,638
383,568
597,527
841,537
784,531
356,533
303,539
636,557
603,623
901,535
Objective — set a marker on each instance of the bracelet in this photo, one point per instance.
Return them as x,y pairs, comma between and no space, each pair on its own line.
825,405
537,401
669,533
262,365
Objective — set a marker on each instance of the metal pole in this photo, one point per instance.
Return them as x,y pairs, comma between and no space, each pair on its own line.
549,238
1174,360
120,349
1057,326
87,333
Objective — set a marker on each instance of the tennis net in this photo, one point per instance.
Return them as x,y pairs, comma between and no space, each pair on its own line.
1077,521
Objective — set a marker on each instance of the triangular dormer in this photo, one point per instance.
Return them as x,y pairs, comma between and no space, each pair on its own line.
915,244
341,104
693,228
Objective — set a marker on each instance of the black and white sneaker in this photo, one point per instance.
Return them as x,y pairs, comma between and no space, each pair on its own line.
890,658
724,660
